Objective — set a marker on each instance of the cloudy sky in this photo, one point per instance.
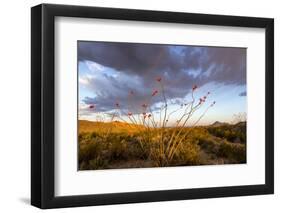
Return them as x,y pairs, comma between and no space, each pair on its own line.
126,73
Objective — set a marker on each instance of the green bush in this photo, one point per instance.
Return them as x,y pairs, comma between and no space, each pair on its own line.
230,133
89,151
236,152
118,150
187,154
98,163
209,145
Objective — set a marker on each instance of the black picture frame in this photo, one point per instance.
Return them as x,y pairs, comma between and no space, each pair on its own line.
43,110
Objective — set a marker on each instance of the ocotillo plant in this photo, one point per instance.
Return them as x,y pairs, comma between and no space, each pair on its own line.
162,140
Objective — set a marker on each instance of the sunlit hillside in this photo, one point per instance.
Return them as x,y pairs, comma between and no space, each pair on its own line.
114,127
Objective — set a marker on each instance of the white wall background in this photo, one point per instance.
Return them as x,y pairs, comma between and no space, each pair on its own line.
15,105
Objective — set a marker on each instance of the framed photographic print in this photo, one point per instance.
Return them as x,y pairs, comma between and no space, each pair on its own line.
139,106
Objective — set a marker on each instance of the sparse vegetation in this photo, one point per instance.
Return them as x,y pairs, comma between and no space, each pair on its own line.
204,146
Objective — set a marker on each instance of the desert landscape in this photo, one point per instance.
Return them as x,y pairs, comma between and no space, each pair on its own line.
118,145
160,105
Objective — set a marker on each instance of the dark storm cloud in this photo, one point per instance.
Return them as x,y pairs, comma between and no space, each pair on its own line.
179,66
243,94
126,57
108,96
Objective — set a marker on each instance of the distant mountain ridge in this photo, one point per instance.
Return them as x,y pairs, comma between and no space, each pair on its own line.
218,124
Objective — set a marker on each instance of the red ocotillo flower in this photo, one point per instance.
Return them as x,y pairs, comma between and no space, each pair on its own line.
92,106
144,105
144,115
154,92
130,114
158,79
201,100
194,87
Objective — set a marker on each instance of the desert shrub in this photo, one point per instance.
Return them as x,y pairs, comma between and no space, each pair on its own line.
236,152
118,150
209,145
124,146
243,138
98,163
136,151
94,135
207,142
84,137
89,151
216,131
230,135
91,148
229,132
188,153
143,144
97,151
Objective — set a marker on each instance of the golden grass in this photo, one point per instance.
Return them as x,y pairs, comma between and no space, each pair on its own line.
102,127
